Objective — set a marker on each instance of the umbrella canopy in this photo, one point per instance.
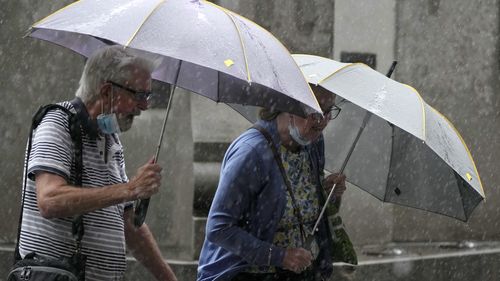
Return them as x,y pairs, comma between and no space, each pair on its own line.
408,153
204,48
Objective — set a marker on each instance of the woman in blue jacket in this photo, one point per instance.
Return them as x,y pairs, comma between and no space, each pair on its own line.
258,224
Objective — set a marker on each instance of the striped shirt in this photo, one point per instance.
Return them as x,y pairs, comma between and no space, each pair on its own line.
103,164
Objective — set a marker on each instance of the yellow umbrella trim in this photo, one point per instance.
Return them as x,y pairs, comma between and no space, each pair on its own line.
58,11
424,129
142,23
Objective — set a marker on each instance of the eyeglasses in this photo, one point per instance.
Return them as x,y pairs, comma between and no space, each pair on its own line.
138,95
329,114
332,113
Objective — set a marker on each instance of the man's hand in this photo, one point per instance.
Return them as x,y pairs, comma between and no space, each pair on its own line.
297,259
147,180
332,179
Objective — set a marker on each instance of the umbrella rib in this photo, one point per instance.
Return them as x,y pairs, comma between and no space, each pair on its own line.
56,12
278,41
142,24
258,26
457,178
229,14
466,148
342,68
393,133
424,117
413,89
218,87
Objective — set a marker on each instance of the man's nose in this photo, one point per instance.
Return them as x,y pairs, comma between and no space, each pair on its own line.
142,104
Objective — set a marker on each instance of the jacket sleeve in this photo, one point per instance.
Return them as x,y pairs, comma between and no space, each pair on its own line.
241,179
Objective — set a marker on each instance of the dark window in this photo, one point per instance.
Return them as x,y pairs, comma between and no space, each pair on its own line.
366,58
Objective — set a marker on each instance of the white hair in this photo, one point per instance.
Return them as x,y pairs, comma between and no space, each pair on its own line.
112,63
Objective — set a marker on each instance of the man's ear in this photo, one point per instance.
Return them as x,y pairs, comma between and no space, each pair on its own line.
105,90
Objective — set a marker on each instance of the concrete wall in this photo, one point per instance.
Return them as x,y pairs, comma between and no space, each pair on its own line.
366,27
448,50
213,122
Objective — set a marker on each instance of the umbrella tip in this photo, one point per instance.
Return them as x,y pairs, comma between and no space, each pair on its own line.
28,32
391,70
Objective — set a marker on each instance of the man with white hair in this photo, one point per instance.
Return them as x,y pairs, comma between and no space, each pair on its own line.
113,90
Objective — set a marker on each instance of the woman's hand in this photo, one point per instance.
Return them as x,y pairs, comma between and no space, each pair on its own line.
332,179
297,259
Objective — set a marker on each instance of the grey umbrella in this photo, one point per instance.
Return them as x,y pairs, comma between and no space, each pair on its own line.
202,47
392,144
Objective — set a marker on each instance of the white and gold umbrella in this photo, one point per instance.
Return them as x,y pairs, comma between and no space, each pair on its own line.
403,150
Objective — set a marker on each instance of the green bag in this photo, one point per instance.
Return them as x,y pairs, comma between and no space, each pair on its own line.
342,249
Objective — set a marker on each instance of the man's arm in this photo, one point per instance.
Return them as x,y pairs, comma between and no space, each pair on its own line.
57,198
142,245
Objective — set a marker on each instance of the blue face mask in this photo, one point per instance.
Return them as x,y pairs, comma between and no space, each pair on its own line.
108,123
296,136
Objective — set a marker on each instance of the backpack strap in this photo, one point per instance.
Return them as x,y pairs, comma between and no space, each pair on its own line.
76,137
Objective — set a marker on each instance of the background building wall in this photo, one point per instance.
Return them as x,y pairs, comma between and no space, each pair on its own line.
366,27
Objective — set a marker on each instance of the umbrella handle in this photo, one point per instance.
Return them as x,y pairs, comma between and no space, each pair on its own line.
367,117
140,211
142,205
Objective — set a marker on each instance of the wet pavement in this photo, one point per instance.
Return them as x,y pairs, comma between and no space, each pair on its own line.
429,261
439,261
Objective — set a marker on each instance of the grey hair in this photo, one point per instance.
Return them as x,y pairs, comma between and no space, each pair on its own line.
114,63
